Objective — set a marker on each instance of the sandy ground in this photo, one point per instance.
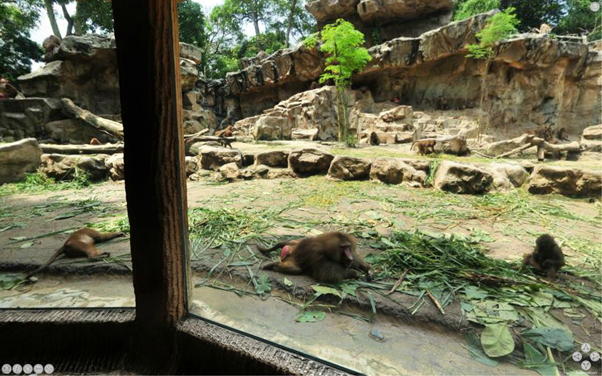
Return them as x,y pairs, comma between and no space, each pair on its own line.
427,343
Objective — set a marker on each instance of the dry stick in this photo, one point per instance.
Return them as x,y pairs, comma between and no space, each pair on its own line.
188,136
396,285
435,301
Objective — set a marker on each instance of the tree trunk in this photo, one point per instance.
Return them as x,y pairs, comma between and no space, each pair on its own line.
291,18
68,18
107,126
52,18
77,21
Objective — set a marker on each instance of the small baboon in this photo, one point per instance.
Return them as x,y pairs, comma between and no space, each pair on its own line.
95,141
547,256
424,146
330,257
80,244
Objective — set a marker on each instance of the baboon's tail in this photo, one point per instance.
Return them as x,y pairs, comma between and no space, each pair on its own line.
275,247
47,263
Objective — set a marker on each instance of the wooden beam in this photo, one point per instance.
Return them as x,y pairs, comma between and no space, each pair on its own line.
146,34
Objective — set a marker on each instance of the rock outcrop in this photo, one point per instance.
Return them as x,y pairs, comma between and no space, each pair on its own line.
395,171
116,167
349,168
309,161
67,167
591,139
462,178
212,158
565,181
17,159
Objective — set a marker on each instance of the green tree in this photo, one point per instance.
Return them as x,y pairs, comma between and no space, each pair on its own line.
580,20
253,11
345,55
469,8
500,26
17,50
191,22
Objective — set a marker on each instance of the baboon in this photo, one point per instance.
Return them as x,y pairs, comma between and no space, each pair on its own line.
51,46
225,132
547,256
80,244
374,140
95,141
330,257
424,146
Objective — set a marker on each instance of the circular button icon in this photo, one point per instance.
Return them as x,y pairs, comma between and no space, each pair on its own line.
17,369
27,368
6,369
38,368
595,6
586,365
48,369
586,347
577,356
593,356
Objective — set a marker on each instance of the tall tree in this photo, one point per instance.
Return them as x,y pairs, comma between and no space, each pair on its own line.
17,50
253,11
50,11
191,21
580,19
291,17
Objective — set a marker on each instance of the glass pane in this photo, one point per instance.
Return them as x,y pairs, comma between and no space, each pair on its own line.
61,165
285,144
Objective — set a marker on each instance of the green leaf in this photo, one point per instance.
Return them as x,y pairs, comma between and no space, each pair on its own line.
349,289
497,340
68,215
551,337
473,292
323,290
538,361
26,245
467,307
287,282
476,351
9,281
311,316
263,284
18,238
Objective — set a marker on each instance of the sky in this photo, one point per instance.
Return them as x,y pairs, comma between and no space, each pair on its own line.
44,29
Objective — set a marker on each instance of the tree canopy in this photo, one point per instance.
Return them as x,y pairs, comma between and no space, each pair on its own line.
17,50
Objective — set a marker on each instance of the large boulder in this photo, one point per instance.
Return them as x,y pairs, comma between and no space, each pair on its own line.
310,161
17,159
456,145
565,181
462,178
192,165
67,167
395,171
591,139
276,158
265,172
116,167
212,158
230,171
506,176
272,127
23,118
349,168
398,114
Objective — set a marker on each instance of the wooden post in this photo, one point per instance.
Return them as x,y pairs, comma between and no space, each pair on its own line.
146,34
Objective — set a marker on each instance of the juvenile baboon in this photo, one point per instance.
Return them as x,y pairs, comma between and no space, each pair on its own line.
547,256
329,257
80,244
424,146
95,141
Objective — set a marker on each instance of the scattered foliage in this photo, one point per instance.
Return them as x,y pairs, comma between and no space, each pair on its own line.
500,26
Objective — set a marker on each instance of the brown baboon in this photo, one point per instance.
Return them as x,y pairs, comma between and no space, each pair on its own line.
547,256
424,146
329,257
95,141
51,46
80,244
225,132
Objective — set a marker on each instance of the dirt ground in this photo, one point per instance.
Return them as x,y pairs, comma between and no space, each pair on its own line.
32,227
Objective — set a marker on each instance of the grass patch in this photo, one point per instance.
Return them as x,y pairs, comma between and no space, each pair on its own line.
120,223
37,182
